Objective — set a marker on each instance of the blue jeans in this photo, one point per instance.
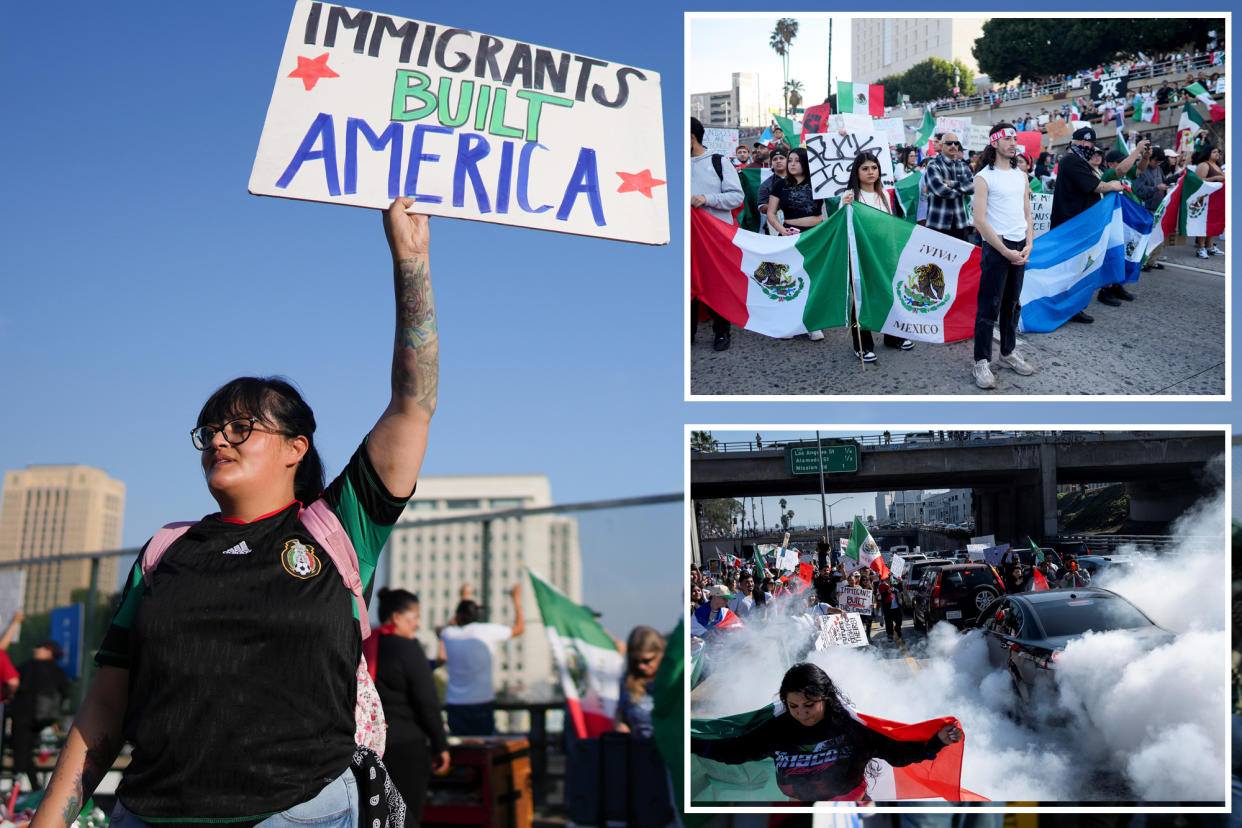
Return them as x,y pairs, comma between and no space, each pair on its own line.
336,806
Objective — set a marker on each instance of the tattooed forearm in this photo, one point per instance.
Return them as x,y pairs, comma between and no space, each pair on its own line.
72,808
416,351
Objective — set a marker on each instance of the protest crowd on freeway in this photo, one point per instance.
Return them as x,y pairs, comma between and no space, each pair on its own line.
1002,189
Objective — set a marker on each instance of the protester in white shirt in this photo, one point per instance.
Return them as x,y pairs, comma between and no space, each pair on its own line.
469,646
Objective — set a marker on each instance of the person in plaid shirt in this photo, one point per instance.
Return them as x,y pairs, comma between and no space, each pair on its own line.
949,180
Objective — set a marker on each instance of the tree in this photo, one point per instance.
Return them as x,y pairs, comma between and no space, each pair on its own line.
786,520
934,77
703,441
720,515
782,37
793,94
893,87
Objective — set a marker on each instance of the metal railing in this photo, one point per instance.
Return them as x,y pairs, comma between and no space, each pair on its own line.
913,439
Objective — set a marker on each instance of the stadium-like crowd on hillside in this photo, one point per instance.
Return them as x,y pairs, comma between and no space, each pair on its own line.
953,198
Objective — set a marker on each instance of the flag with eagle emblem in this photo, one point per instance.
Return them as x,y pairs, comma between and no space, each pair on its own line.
862,552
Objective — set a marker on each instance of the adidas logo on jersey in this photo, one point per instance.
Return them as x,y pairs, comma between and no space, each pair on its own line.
239,549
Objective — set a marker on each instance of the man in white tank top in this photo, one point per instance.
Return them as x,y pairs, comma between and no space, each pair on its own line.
1003,218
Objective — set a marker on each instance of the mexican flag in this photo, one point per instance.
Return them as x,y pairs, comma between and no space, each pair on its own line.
793,134
1035,550
778,286
1215,110
926,130
1038,581
939,778
863,551
752,179
1187,125
910,281
907,191
861,98
1151,112
586,658
1201,208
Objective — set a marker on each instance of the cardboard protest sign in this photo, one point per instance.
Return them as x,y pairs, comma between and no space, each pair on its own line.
957,126
854,599
787,560
993,555
1058,129
832,154
1041,212
815,118
898,565
723,141
840,631
850,122
367,107
976,137
974,552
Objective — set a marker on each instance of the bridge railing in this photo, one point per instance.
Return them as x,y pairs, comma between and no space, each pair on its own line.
914,439
1112,544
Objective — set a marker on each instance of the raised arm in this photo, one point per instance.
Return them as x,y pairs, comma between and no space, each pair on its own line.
90,749
399,440
7,638
519,622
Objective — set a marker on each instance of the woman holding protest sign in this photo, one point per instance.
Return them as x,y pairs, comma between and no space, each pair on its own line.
233,664
864,187
823,750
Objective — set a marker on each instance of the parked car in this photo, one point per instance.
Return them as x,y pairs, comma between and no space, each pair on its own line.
1027,631
956,593
1073,548
1106,566
913,578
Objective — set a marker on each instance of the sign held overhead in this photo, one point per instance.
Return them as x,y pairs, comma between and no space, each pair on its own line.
367,107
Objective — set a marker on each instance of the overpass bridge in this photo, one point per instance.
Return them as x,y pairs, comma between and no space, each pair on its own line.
1013,475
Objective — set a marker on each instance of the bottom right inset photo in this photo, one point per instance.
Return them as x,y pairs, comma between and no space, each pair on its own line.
1016,617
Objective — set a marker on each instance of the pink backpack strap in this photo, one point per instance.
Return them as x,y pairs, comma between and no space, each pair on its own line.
158,545
325,527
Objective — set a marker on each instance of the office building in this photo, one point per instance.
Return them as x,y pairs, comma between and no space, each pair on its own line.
49,511
952,506
884,46
737,106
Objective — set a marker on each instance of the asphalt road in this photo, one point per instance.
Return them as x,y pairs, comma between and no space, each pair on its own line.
1169,340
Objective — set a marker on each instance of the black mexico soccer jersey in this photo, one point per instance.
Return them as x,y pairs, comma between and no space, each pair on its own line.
242,652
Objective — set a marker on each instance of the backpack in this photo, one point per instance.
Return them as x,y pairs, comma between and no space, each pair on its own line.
325,527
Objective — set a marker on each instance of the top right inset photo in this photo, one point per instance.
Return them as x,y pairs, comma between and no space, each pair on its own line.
1006,206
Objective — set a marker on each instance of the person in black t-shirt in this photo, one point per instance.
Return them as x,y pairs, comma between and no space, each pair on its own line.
821,751
231,667
37,704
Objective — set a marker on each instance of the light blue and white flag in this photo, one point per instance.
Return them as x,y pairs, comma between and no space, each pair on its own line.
1101,246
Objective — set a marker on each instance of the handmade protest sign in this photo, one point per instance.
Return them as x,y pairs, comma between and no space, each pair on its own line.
1029,142
1058,129
854,599
831,155
898,566
367,107
788,560
993,555
976,137
723,141
955,125
893,130
815,119
840,631
1041,212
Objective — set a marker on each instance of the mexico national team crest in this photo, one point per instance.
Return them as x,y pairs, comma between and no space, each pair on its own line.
776,283
924,290
299,559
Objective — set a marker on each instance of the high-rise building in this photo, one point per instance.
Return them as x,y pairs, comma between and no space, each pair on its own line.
47,511
737,106
883,46
882,501
906,507
434,561
952,506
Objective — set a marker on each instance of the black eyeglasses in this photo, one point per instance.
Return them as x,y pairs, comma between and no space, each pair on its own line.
235,432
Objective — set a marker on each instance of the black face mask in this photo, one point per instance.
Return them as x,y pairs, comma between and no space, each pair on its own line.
1083,152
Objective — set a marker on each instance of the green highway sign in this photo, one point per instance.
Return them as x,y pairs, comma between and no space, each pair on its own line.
838,458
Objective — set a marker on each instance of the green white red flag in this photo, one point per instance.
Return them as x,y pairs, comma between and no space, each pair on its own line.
1188,124
910,281
863,551
1215,110
778,286
907,192
586,658
865,99
1193,207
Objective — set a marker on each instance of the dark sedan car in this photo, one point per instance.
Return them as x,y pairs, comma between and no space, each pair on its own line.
1026,632
955,593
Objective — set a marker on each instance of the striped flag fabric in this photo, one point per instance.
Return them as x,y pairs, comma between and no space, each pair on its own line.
752,178
1100,246
866,99
907,192
1174,216
1215,111
1188,124
1038,581
586,658
910,281
926,130
863,551
779,286
940,777
1151,112
793,135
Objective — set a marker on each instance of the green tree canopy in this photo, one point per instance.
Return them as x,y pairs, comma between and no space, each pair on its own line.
720,514
933,78
893,89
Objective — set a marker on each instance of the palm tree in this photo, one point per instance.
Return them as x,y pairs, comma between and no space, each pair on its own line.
782,37
702,441
793,94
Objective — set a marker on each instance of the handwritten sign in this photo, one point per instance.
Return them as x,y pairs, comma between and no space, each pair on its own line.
1041,212
976,137
367,107
787,560
840,631
1029,142
898,566
993,555
893,130
854,599
957,126
831,155
723,141
815,119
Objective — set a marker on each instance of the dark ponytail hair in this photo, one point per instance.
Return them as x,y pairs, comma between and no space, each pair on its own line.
276,403
987,158
393,601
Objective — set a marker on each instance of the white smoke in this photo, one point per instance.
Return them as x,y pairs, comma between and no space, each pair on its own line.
1123,721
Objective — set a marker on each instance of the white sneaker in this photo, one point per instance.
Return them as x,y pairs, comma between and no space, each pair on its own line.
1201,252
983,375
1017,363
907,345
867,356
815,336
1215,251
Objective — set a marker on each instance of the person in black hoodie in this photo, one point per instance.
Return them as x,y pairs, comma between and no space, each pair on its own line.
37,704
821,751
417,745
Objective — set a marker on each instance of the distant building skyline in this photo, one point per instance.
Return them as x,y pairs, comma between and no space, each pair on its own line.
883,46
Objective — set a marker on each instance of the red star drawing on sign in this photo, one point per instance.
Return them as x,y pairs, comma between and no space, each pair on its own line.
310,70
641,182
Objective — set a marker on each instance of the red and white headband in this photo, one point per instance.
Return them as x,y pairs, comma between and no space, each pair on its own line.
1002,132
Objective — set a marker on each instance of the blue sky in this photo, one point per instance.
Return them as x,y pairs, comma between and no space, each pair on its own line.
139,275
